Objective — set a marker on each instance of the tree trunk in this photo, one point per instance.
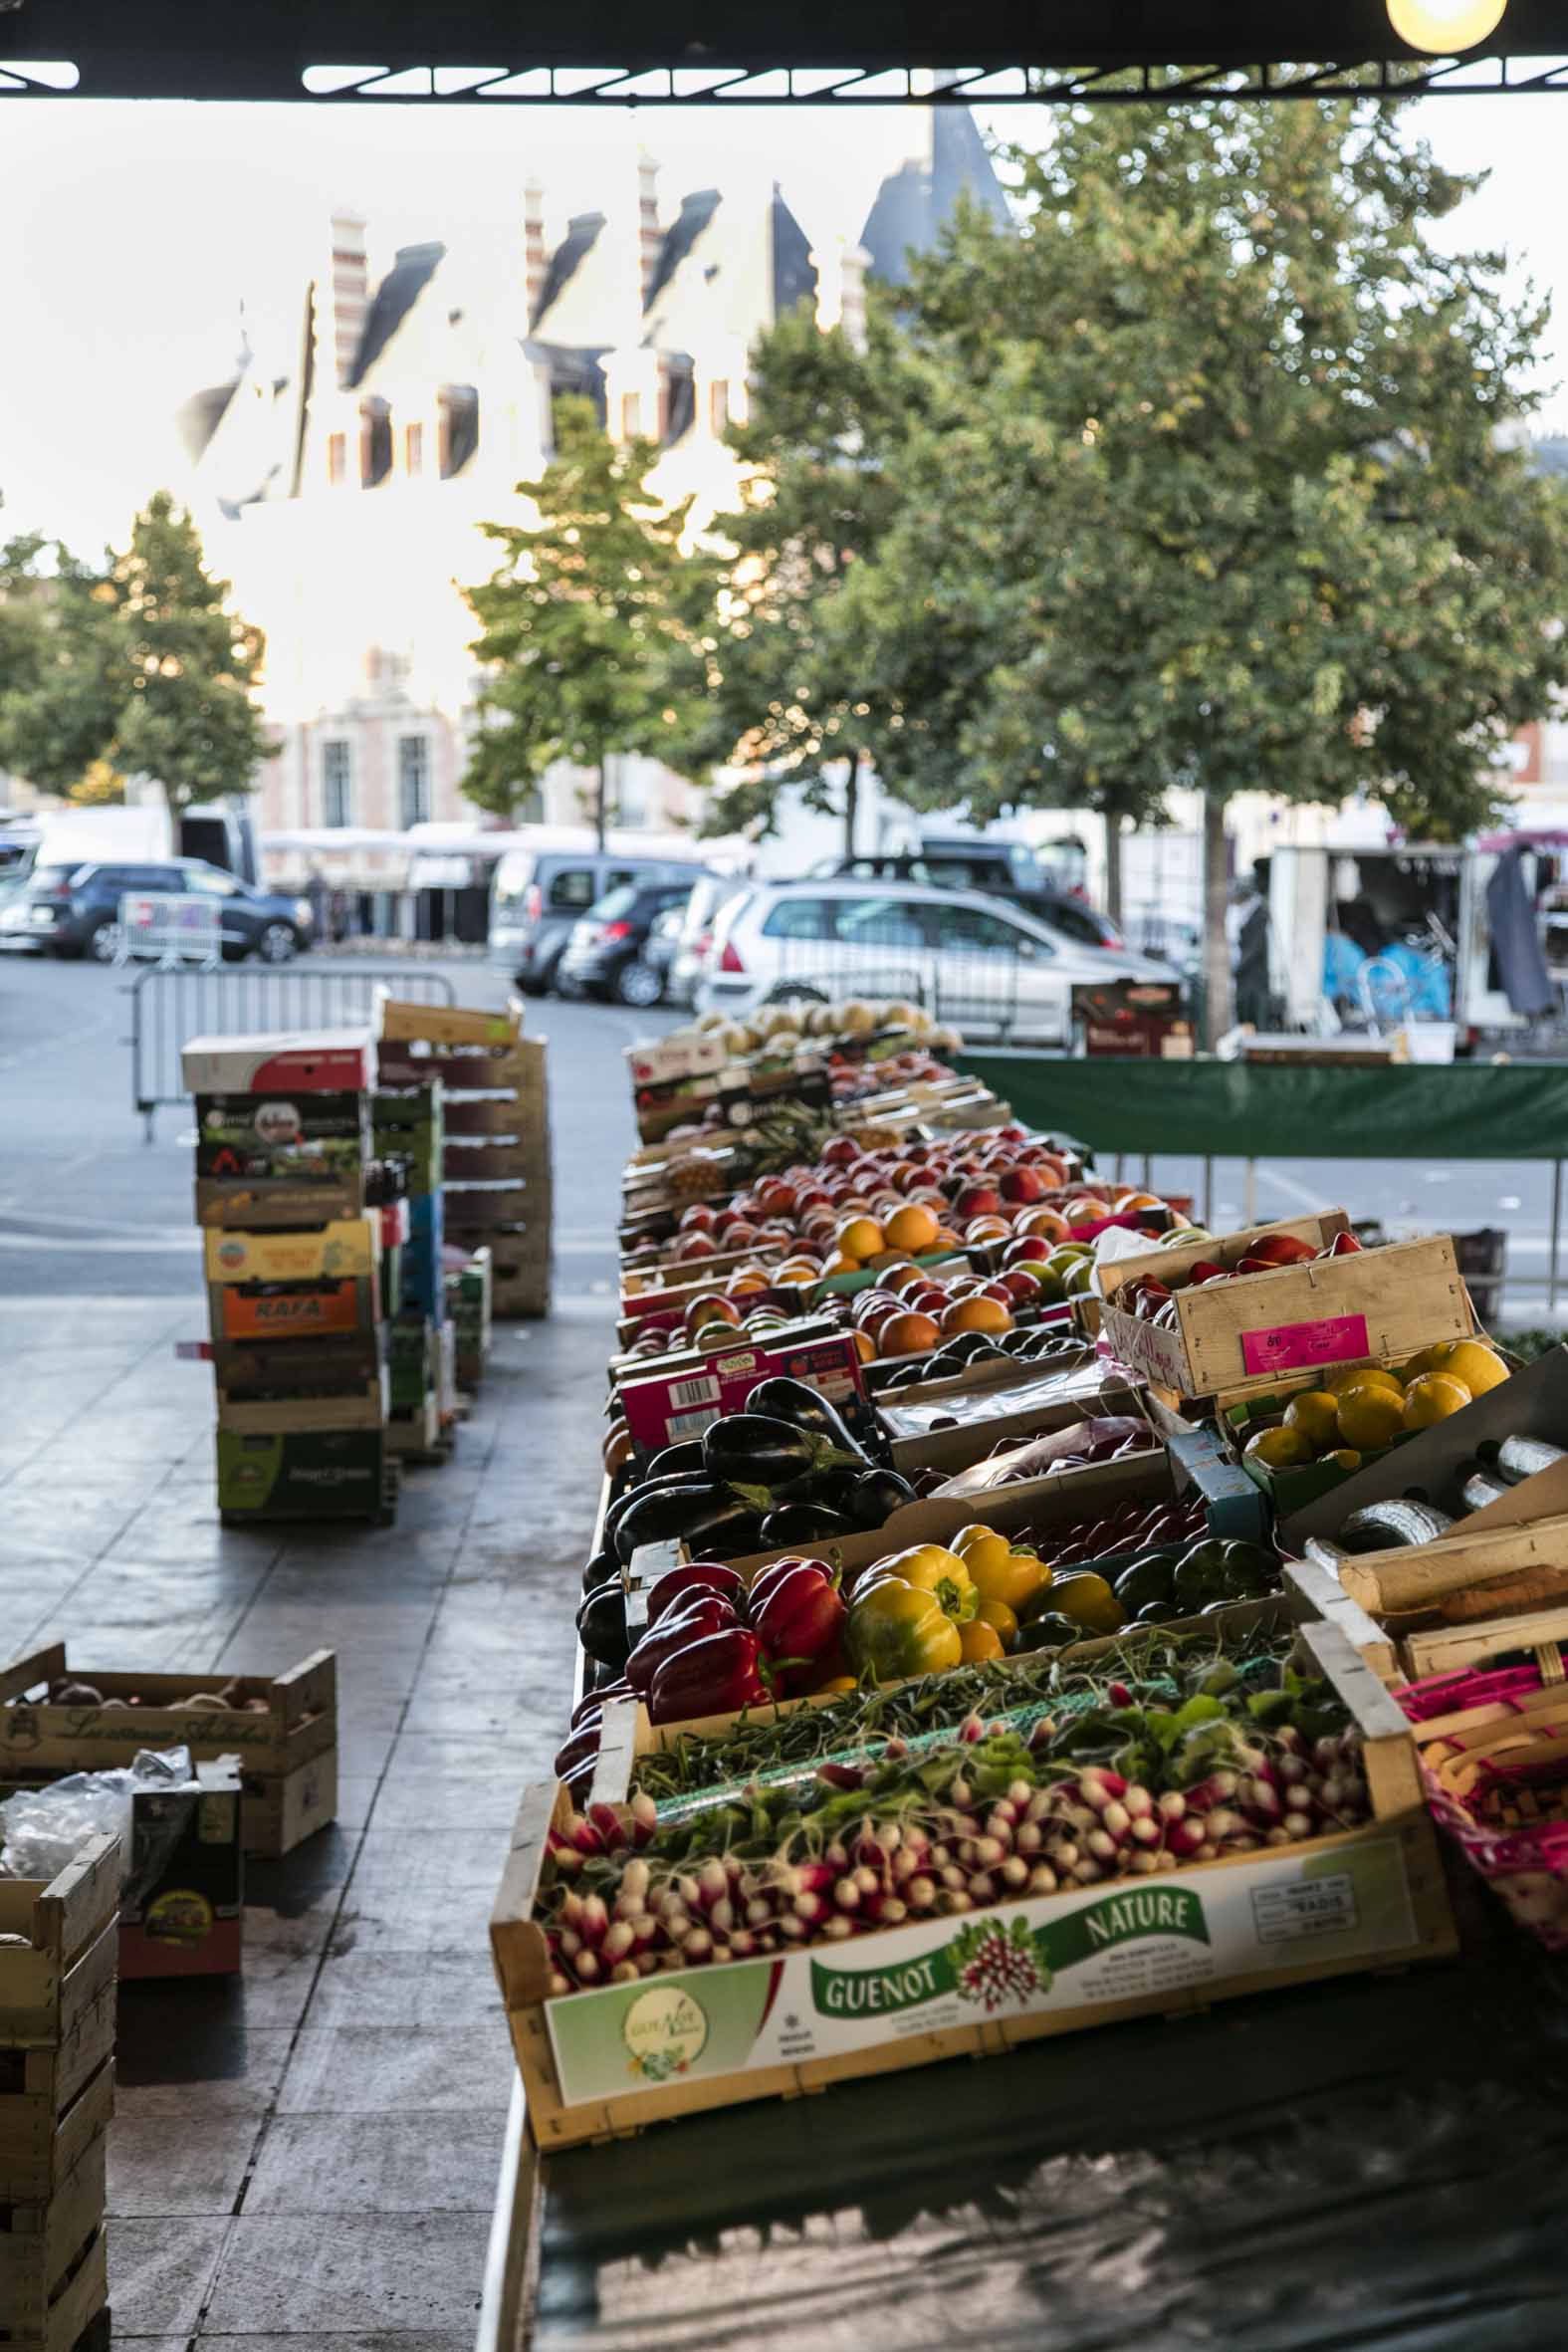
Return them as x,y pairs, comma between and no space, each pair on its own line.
1113,865
599,812
851,803
1217,894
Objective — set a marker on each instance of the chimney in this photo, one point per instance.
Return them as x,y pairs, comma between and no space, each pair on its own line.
536,261
650,237
350,292
853,263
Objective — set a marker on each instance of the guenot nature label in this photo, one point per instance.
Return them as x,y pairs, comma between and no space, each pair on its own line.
1128,1942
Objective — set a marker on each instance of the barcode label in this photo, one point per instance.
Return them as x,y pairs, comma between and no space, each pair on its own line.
680,1425
694,1392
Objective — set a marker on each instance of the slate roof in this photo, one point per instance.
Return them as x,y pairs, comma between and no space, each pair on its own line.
913,204
392,301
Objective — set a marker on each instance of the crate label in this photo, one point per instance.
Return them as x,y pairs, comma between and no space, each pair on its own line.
1139,1937
664,1408
287,1314
1293,1347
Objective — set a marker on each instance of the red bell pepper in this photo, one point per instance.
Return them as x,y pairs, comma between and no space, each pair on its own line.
718,1675
696,1577
801,1621
709,1612
768,1580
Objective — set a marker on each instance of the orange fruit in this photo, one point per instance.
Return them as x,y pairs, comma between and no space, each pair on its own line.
865,1347
905,1278
978,1314
859,1238
911,1227
908,1333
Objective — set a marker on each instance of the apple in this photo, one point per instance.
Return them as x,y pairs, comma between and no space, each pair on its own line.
1027,1247
1281,1248
695,1244
699,1218
977,1200
997,1290
1023,1185
1022,1285
839,1151
1343,1245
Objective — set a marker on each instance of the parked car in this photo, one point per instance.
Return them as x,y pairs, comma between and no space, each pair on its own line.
604,955
1002,870
985,968
74,910
696,935
537,895
663,945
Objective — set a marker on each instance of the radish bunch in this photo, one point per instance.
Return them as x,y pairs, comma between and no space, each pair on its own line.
988,1819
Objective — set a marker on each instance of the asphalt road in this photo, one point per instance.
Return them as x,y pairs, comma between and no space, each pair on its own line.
85,1205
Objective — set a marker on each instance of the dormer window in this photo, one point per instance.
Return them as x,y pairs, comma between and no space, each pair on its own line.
375,442
631,415
414,449
336,457
456,426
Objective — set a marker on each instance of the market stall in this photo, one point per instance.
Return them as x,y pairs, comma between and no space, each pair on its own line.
959,1689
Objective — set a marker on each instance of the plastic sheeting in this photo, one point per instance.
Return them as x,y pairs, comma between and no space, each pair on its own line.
1367,2165
1478,1110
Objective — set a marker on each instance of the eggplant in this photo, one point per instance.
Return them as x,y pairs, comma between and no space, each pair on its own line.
783,1399
648,1486
599,1570
602,1625
682,1461
804,1523
707,1517
760,1449
877,1493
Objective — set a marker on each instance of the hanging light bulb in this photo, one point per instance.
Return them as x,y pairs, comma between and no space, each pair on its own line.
1443,28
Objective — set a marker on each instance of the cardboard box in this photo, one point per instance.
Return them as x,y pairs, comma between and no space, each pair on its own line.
423,1279
1431,1465
285,1286
663,1407
319,1061
410,1127
684,1053
308,1475
1237,1338
403,1023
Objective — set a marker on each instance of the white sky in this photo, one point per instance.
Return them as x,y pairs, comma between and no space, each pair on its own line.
128,234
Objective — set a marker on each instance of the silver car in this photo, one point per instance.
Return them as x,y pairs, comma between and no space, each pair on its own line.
976,964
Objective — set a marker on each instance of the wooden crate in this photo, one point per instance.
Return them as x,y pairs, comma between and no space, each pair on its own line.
52,2279
1372,1897
405,1022
1237,1338
288,1755
53,2101
519,1272
1403,1590
68,1957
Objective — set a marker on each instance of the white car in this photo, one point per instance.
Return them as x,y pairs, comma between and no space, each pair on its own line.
974,963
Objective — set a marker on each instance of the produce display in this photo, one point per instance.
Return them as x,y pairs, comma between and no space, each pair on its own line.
1125,1774
1153,1300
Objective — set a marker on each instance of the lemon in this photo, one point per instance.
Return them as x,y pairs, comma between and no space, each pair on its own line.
1316,1414
1432,1397
1359,1376
1425,1359
1471,1360
1370,1417
1344,1458
1279,1449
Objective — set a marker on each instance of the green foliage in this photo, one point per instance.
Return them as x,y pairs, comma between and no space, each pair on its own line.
584,621
133,669
1228,502
186,667
785,696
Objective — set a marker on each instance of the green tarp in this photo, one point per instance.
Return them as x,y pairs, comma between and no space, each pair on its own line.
1470,1111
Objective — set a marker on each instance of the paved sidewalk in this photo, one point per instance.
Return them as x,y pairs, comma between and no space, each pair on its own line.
309,2155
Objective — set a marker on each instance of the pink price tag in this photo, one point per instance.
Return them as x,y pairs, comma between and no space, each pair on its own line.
1291,1347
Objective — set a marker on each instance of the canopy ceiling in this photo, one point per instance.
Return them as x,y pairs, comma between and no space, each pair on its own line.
486,52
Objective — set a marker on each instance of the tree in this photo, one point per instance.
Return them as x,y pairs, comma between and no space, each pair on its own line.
186,667
1237,505
584,633
57,664
786,698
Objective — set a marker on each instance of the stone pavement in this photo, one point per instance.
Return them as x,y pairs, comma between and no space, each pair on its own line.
307,2155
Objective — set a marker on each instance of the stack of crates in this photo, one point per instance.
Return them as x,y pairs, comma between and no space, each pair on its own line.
496,1158
59,1957
292,1203
408,1135
468,1312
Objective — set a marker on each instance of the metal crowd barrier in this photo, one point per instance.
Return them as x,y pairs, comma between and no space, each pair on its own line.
169,1007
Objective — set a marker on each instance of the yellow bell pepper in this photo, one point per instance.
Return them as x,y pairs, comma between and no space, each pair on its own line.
897,1629
1001,1620
1001,1573
1090,1602
981,1643
932,1568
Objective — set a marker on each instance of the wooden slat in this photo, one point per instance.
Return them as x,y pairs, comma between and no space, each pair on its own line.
517,1944
41,2141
